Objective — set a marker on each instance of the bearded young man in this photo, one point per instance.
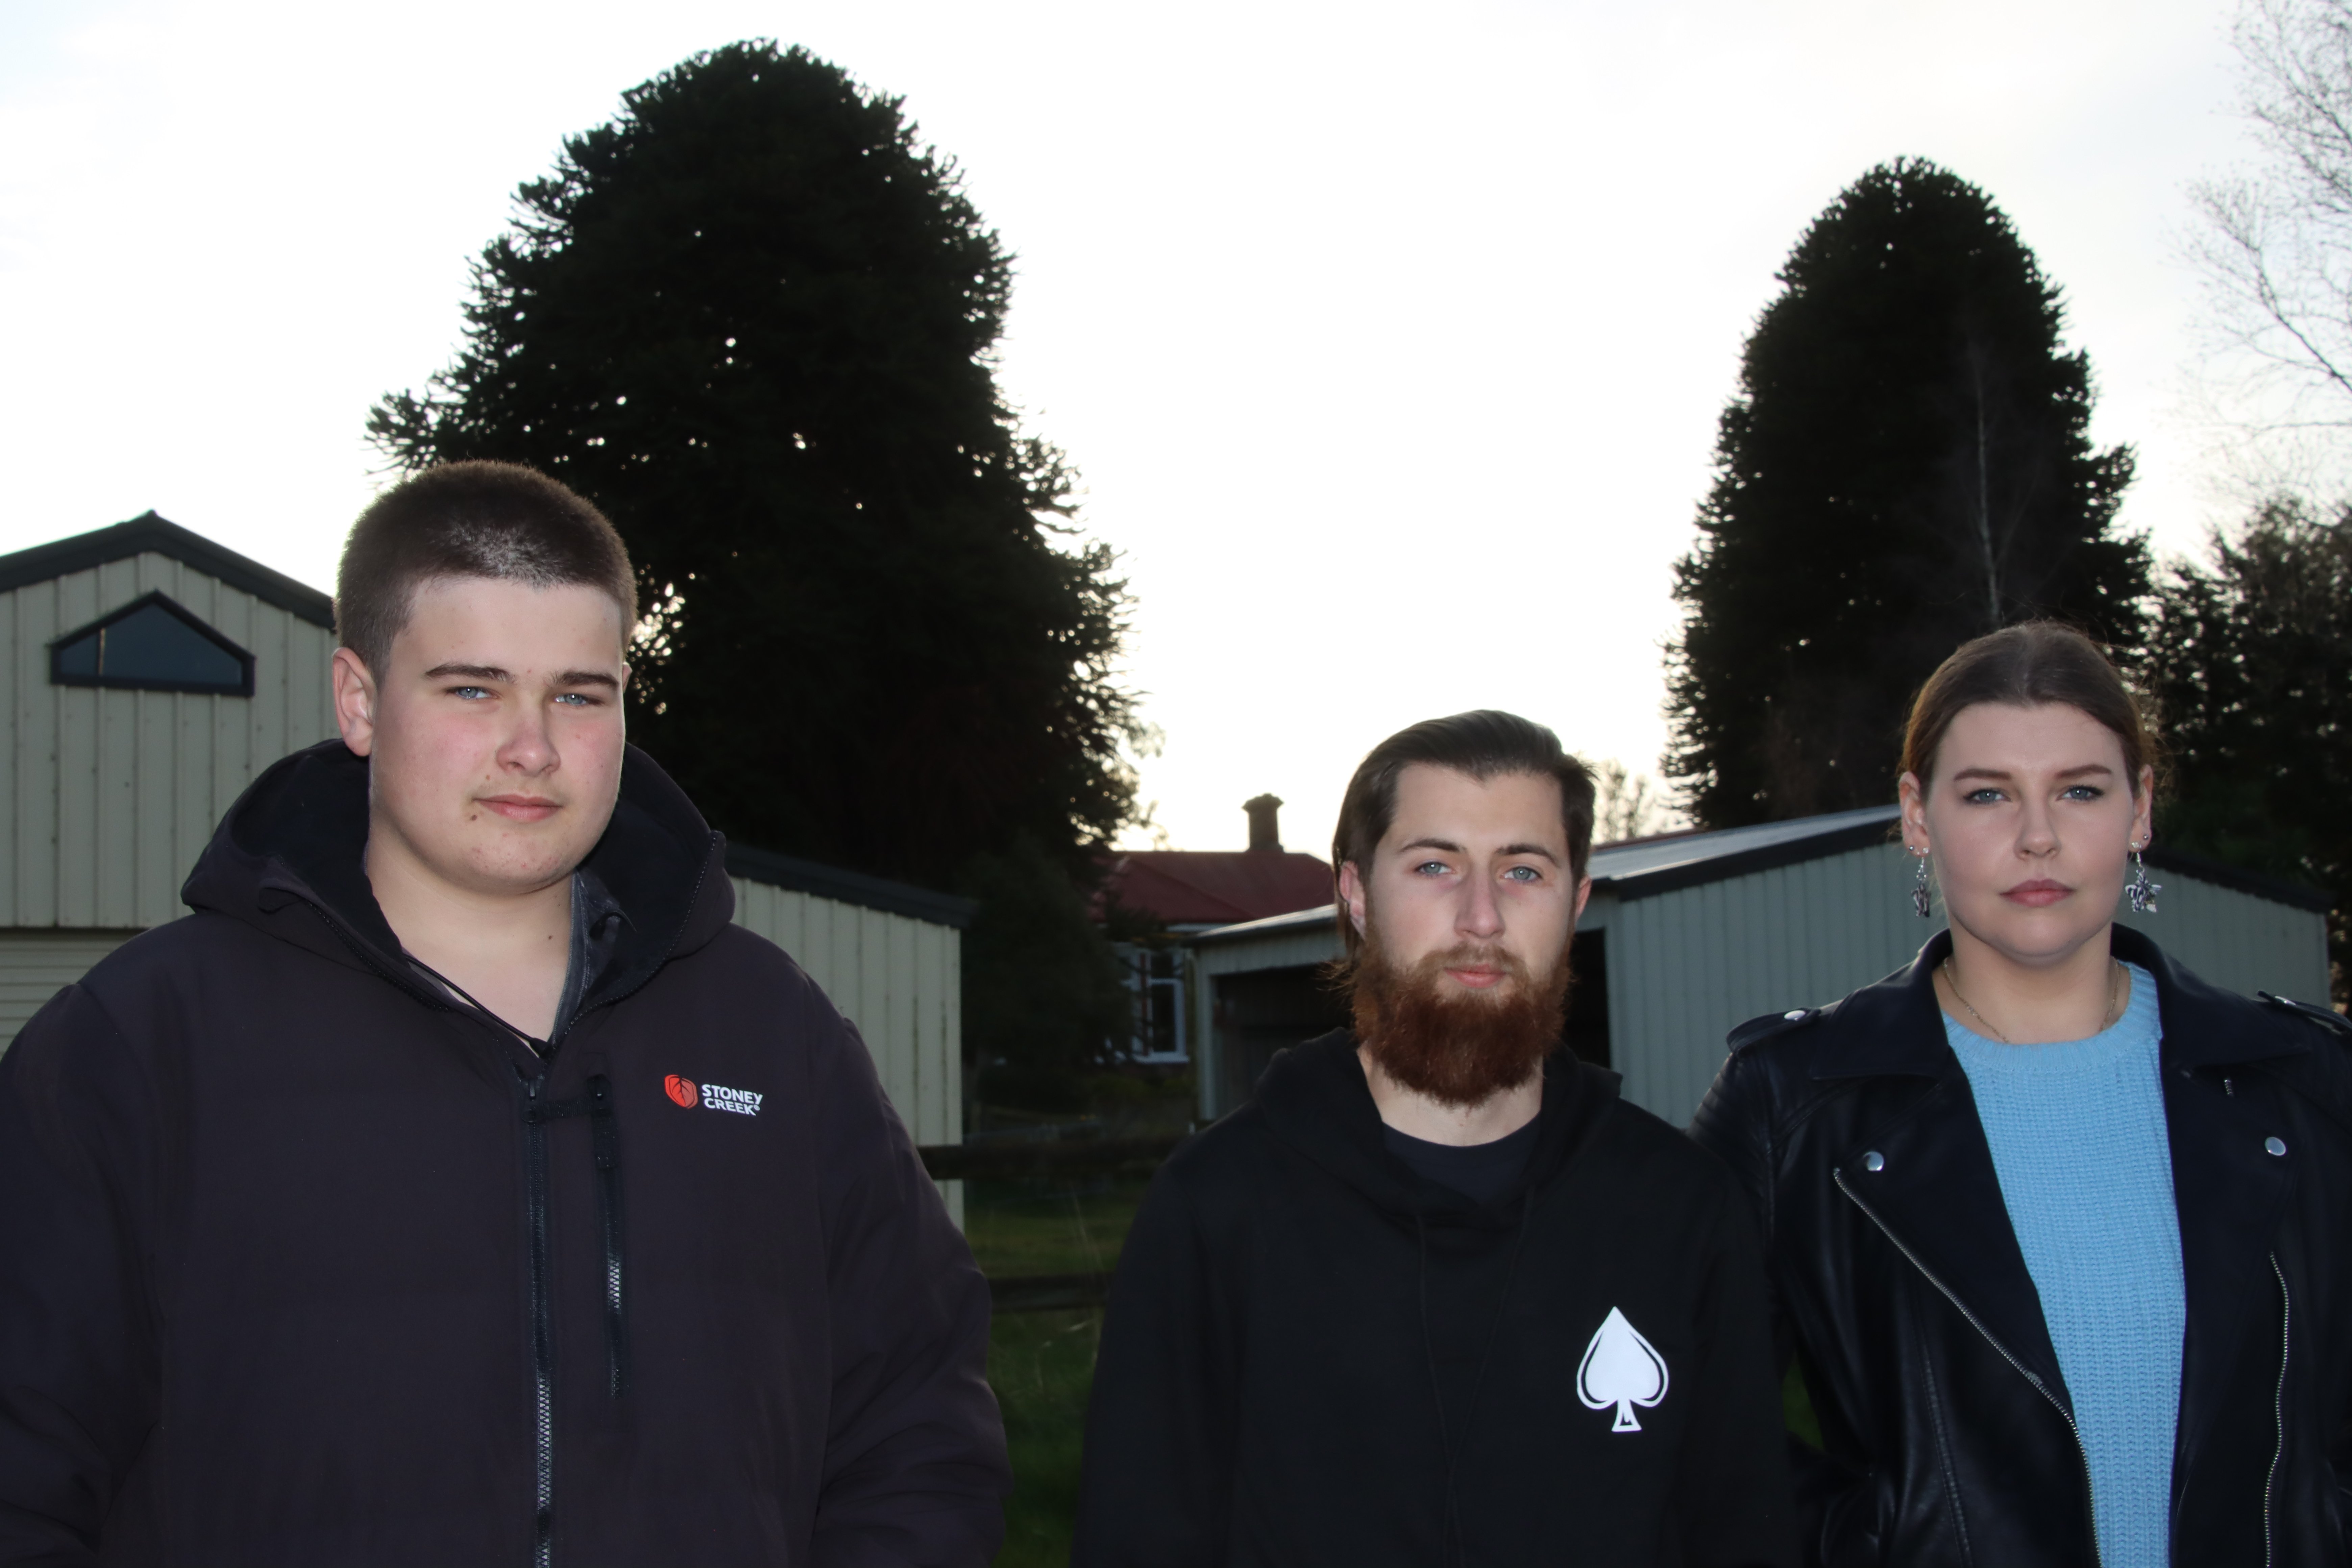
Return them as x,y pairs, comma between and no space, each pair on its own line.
1437,1296
356,1219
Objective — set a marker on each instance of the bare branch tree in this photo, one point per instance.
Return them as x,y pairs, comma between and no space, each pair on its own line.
1627,804
2274,247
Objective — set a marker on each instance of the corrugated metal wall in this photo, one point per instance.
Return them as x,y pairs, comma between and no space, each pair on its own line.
1686,967
2237,940
899,980
35,965
106,797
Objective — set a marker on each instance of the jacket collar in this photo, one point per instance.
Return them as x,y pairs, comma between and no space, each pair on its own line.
1937,1194
1895,1027
297,836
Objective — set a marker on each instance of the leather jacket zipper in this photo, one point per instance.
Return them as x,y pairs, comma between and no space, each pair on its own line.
2090,1496
2278,1407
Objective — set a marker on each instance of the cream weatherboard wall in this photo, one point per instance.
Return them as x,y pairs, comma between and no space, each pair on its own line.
108,796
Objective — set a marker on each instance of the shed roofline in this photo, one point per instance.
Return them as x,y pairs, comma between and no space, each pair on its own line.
1716,867
795,875
149,532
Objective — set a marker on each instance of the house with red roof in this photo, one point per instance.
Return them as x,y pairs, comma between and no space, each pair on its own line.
1188,891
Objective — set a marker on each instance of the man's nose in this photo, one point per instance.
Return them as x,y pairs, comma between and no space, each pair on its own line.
1479,914
529,745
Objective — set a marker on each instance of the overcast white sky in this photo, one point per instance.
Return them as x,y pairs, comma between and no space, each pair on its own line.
1389,340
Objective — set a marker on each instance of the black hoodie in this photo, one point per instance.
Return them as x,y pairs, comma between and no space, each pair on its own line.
302,1262
1314,1356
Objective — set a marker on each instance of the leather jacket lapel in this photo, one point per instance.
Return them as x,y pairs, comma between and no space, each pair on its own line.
1937,1197
1936,1193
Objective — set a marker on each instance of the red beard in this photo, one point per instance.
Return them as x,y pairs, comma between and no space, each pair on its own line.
1458,1046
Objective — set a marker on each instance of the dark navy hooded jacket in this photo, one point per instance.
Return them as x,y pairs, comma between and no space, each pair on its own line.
303,1262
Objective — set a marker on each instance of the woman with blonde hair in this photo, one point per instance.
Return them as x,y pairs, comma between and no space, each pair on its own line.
2056,1230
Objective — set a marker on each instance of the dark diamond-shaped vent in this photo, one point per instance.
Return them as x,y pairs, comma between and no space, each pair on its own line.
152,644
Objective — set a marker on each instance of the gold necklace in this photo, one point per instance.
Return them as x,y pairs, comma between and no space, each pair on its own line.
2115,1004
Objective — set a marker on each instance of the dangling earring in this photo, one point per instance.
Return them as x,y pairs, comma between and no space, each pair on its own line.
1919,889
2139,891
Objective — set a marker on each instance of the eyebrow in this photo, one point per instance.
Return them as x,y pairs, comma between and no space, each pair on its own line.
2003,775
1451,848
491,672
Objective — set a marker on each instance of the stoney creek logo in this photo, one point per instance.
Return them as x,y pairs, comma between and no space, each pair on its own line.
711,1096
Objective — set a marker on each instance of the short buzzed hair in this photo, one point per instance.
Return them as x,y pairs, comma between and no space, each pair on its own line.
499,520
1483,745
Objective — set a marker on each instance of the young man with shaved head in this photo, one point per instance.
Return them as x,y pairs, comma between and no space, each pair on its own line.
458,1185
1438,1296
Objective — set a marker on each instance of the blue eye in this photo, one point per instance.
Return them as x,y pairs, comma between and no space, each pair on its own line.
1524,874
577,699
1430,869
1985,796
2085,792
467,692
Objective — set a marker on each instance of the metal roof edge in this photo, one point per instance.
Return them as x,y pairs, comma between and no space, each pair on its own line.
1289,924
147,532
1681,874
2262,885
798,876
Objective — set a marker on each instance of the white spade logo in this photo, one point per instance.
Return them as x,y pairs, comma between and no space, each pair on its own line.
1622,1369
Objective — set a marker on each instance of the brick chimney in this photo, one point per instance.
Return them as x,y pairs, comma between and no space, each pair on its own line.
1264,832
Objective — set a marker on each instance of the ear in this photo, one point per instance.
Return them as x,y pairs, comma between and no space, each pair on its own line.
355,698
1351,893
1583,894
2143,828
1915,812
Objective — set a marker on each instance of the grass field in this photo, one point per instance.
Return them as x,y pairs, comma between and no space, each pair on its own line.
1043,1363
1020,1227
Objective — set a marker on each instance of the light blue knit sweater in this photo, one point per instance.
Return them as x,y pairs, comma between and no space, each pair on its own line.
2078,1137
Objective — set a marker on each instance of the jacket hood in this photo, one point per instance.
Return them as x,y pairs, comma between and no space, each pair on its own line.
297,837
1313,1098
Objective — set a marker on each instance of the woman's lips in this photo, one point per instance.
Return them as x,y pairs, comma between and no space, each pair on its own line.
2037,894
520,807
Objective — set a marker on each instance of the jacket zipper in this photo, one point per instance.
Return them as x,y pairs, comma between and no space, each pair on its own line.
606,1139
2090,1490
2278,1406
542,1337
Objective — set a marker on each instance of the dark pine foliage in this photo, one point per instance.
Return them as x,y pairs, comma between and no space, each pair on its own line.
2249,662
1906,465
753,319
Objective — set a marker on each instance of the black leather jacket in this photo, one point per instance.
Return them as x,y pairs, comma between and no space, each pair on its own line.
1899,1286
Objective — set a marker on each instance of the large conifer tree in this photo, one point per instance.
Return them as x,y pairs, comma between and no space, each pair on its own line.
1907,465
2250,661
753,319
